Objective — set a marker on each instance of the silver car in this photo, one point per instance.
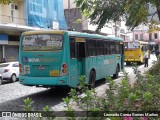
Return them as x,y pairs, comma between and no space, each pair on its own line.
9,71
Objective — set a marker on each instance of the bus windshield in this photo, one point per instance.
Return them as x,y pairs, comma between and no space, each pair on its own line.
131,45
42,42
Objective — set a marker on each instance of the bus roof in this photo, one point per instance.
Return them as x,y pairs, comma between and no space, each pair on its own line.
71,33
81,34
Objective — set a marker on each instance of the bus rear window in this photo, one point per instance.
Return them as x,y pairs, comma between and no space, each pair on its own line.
41,42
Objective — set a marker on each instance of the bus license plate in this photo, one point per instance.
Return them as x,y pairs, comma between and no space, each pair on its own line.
41,67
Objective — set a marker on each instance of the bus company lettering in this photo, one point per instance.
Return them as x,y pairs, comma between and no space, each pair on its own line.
42,60
109,61
33,60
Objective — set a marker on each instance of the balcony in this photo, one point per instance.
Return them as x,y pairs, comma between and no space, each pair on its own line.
14,24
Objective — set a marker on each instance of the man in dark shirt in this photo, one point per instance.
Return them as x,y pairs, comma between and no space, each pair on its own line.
157,54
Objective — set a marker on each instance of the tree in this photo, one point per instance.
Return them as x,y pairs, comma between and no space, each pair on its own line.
135,12
5,1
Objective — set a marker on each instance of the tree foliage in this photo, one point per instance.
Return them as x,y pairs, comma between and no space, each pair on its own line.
135,12
5,1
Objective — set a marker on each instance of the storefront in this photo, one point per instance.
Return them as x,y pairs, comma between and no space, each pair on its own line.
11,53
9,46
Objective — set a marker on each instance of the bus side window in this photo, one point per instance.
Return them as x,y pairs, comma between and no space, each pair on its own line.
100,47
112,48
91,47
117,47
106,47
72,48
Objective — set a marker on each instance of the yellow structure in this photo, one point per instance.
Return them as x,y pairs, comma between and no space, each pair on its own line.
134,51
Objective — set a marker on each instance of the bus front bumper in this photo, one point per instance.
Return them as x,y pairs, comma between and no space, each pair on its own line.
44,81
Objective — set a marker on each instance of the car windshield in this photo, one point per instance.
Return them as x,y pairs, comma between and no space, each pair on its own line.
42,42
3,65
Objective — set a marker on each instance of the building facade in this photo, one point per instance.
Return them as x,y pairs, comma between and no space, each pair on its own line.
10,17
25,15
141,34
73,15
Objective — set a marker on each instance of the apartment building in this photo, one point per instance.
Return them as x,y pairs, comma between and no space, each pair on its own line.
10,17
72,14
24,15
141,33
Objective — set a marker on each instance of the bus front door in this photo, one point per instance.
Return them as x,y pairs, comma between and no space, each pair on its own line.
77,63
80,55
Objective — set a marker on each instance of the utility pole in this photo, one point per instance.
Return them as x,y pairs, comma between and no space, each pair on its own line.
69,11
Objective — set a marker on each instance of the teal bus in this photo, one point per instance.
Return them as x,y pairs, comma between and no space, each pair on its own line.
50,58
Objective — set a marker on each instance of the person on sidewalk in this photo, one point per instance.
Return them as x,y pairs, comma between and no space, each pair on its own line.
157,54
146,59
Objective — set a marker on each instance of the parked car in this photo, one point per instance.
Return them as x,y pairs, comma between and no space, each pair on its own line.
9,71
0,79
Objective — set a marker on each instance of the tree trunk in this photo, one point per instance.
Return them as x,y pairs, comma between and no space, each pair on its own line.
158,11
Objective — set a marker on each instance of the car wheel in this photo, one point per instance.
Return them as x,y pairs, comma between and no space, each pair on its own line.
13,78
0,80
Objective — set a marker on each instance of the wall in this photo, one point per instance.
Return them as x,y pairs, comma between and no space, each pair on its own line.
5,13
72,5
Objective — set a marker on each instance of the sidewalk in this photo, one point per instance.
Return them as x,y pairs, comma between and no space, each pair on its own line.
143,69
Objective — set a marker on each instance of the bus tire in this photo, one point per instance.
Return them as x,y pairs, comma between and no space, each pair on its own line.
115,76
92,79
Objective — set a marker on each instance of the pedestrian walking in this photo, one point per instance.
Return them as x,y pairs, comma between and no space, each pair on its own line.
146,59
157,54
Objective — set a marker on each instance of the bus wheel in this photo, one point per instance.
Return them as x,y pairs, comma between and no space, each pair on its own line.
115,76
92,79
